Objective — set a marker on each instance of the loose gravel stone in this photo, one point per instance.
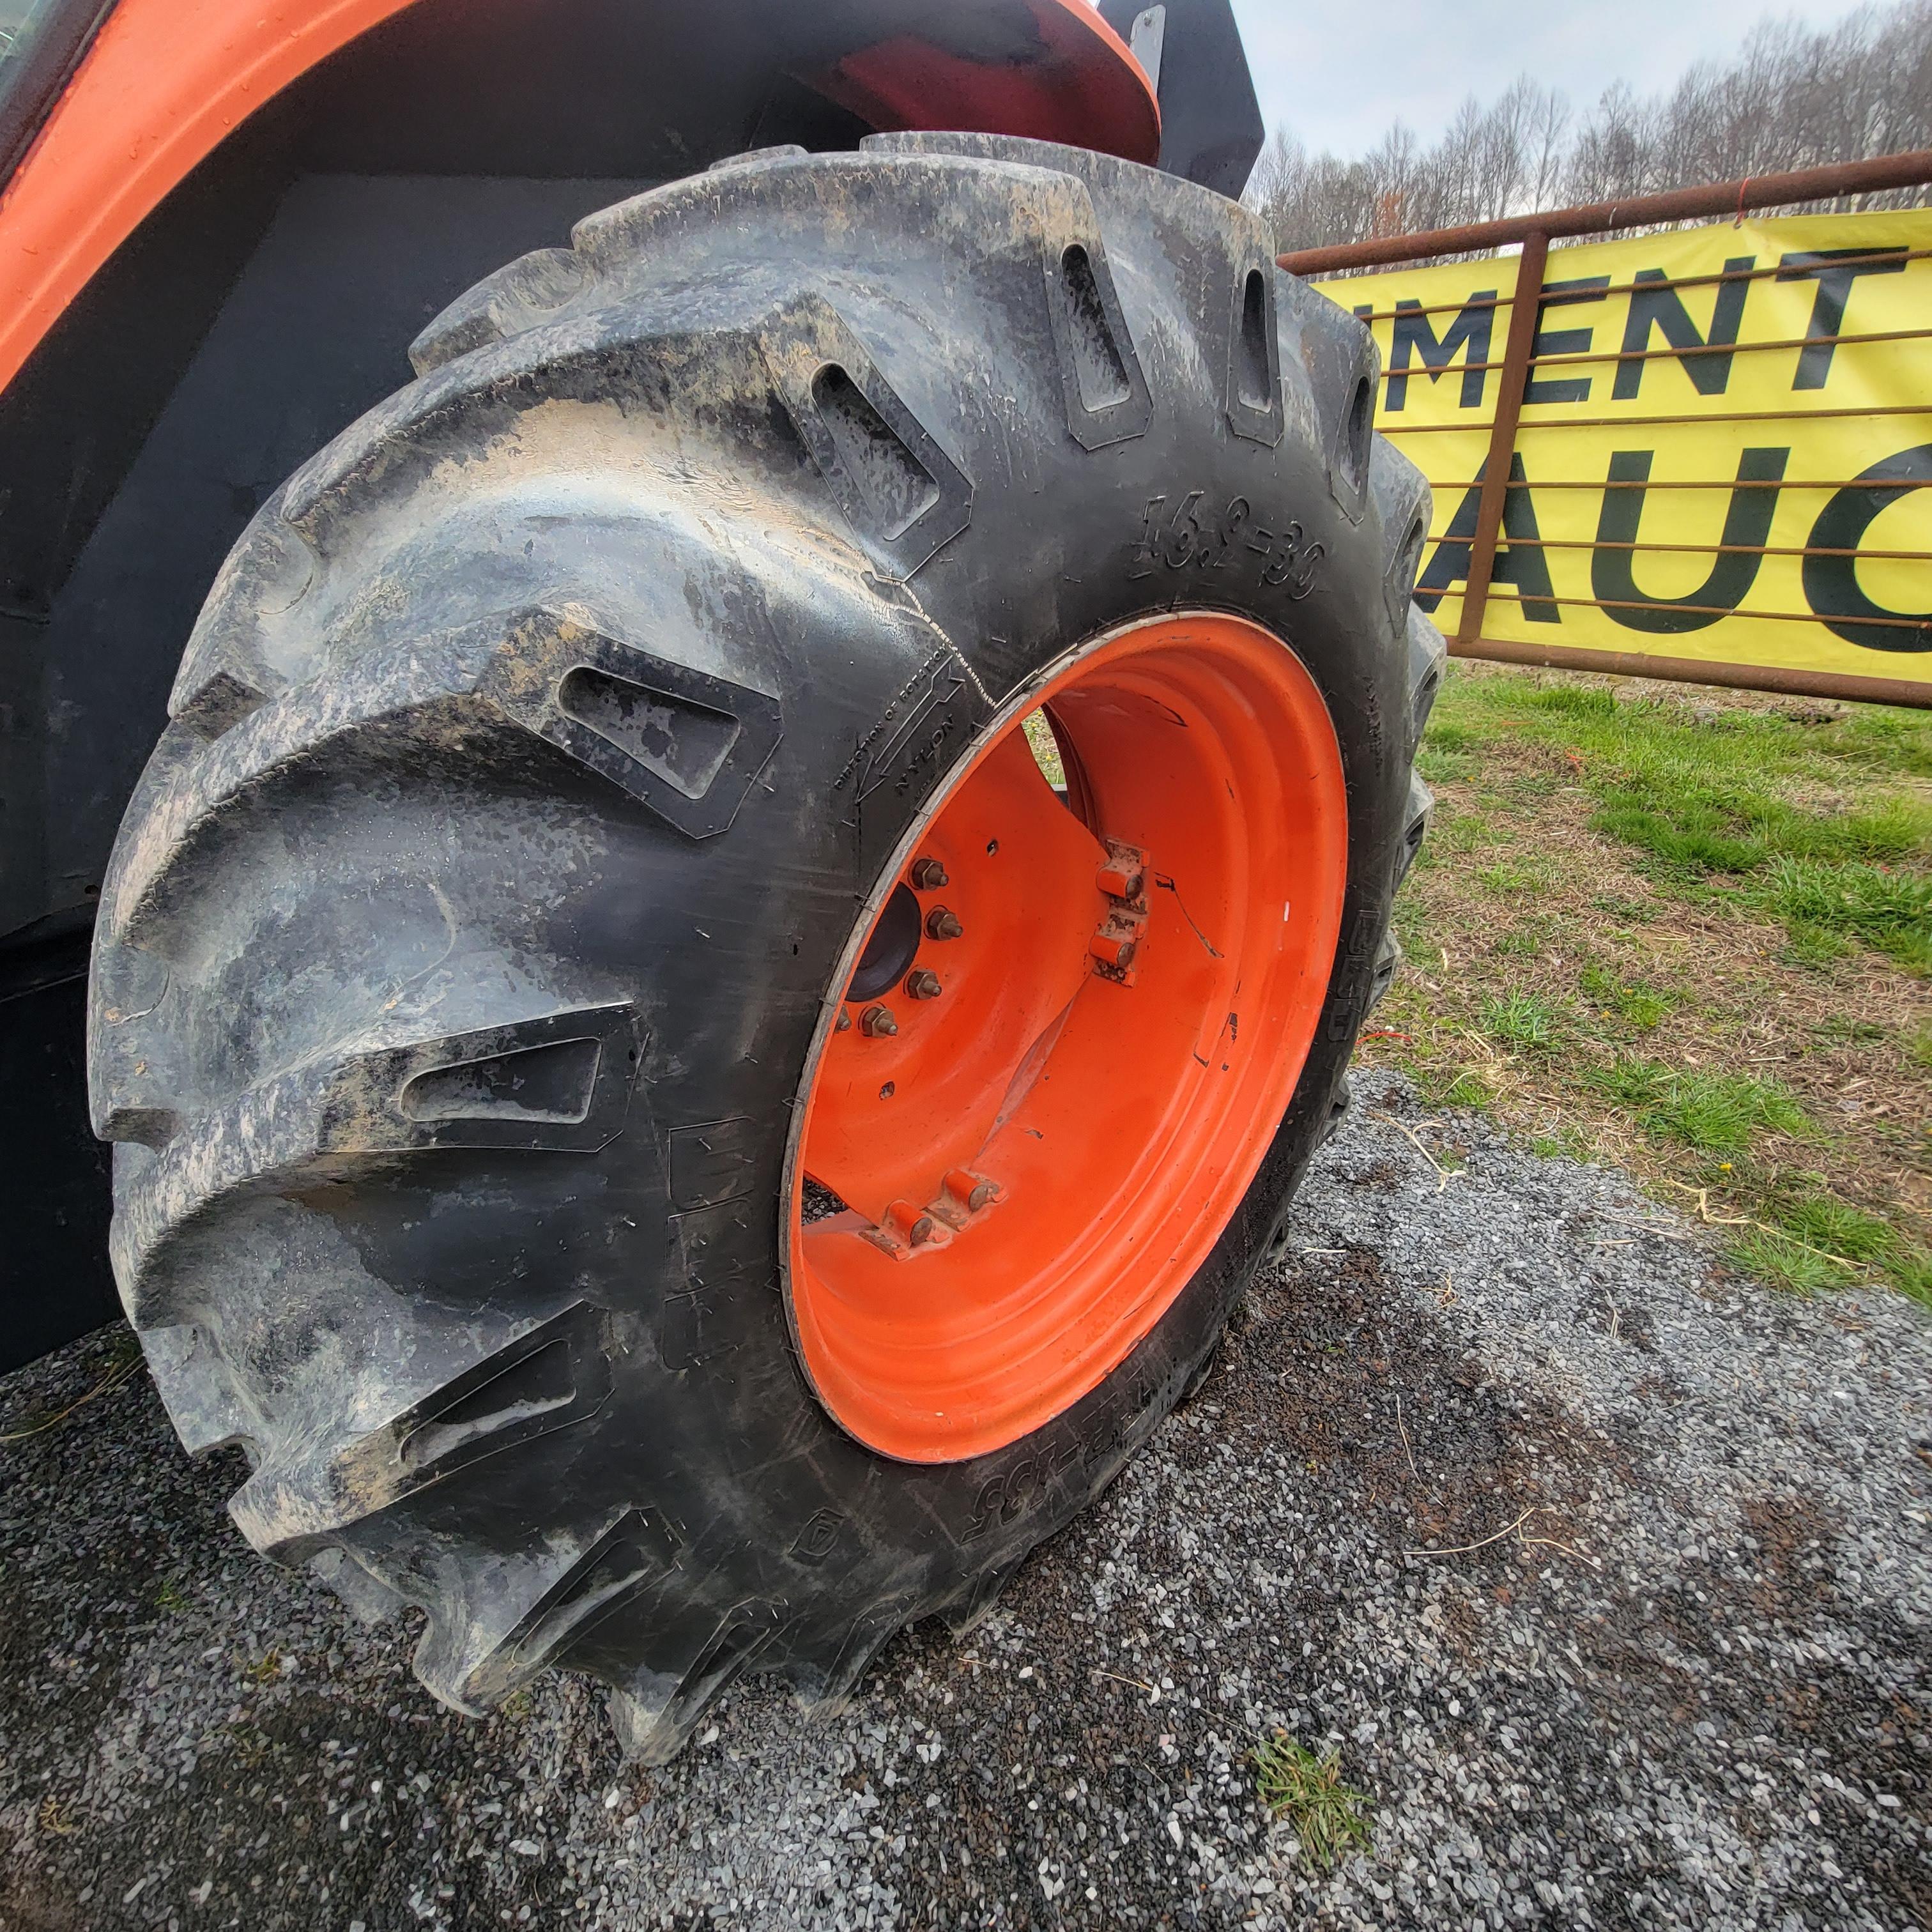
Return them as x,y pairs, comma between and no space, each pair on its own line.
1607,1572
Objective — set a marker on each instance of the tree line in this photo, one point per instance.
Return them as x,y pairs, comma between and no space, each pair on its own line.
1793,97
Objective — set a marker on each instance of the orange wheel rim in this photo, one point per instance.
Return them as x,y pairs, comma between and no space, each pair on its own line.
1035,1146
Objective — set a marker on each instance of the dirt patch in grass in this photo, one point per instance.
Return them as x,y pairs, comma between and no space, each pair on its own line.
1689,932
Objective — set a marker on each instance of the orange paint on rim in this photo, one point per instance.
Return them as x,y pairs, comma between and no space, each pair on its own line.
1040,1150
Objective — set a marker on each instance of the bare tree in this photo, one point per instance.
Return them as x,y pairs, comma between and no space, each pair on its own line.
1793,96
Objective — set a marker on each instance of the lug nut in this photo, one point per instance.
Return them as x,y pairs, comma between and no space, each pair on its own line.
1119,880
972,1191
929,875
1111,951
940,924
877,1023
916,1227
923,985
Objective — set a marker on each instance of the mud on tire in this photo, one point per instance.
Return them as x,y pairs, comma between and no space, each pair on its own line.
468,932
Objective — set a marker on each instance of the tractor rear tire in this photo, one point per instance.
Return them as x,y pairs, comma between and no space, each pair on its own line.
543,757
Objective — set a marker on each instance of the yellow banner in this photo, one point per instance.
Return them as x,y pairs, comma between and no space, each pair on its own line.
1725,440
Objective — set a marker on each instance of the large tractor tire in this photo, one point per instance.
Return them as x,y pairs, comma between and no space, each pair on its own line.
669,1143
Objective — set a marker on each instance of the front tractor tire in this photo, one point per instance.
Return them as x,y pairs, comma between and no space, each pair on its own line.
669,1145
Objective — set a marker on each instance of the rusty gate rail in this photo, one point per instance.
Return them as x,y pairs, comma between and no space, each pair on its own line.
1912,170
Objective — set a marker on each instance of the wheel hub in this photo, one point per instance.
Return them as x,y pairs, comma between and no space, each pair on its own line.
1075,1022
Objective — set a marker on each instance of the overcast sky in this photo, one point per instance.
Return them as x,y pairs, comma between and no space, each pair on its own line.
1338,74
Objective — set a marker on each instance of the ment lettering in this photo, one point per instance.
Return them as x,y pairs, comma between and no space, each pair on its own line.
1469,335
1705,359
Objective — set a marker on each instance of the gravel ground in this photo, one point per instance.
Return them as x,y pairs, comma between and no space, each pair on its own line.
1681,1682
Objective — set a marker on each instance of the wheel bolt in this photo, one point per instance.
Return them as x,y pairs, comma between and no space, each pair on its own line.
877,1023
974,1192
940,924
844,1022
928,875
923,985
914,1227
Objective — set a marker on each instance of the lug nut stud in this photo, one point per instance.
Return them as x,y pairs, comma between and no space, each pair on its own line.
923,985
972,1191
844,1025
928,875
941,924
877,1023
915,1226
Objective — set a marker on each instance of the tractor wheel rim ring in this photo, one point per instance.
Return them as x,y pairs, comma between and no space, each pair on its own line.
1043,1154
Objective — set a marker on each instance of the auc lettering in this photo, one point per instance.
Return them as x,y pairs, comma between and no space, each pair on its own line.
1830,574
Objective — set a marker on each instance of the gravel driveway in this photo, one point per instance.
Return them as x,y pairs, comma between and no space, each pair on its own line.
1667,1665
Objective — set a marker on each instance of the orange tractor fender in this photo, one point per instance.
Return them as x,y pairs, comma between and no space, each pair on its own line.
163,81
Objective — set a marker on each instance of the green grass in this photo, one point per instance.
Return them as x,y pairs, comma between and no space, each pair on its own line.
1890,911
1462,831
1721,828
1687,834
1912,1276
1637,912
1791,1265
1592,909
1806,945
1331,1818
1046,749
1440,767
1830,1226
1511,877
1637,1005
1853,1032
1464,1088
1521,1019
1813,1241
1436,1060
1886,741
1714,1112
1706,803
1522,942
1837,1245
1453,1087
